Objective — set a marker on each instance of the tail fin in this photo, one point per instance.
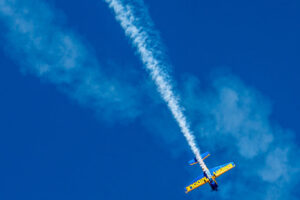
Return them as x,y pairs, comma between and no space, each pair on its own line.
203,156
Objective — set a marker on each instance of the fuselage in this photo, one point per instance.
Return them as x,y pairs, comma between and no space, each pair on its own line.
212,182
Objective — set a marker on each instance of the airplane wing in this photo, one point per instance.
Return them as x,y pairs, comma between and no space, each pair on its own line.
218,171
199,181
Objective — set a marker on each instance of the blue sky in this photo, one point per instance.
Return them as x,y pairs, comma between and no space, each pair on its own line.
81,119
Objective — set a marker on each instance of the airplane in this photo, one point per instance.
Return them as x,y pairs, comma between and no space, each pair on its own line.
203,178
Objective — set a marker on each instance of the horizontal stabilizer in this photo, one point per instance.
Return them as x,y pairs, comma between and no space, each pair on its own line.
203,156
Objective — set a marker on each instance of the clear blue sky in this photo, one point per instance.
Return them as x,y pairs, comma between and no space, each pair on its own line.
52,147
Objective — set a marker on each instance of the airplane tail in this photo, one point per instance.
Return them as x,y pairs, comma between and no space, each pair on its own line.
203,156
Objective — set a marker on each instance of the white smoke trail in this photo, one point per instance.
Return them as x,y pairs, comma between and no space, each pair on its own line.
142,40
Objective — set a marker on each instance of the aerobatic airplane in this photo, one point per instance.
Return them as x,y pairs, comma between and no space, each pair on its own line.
215,172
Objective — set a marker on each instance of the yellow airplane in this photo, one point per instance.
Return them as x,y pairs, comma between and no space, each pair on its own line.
202,179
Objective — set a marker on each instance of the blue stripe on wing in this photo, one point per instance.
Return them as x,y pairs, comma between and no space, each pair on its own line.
196,179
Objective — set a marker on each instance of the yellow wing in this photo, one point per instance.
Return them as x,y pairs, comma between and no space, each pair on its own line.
218,171
199,182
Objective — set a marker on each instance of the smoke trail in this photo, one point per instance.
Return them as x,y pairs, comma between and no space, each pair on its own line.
143,41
